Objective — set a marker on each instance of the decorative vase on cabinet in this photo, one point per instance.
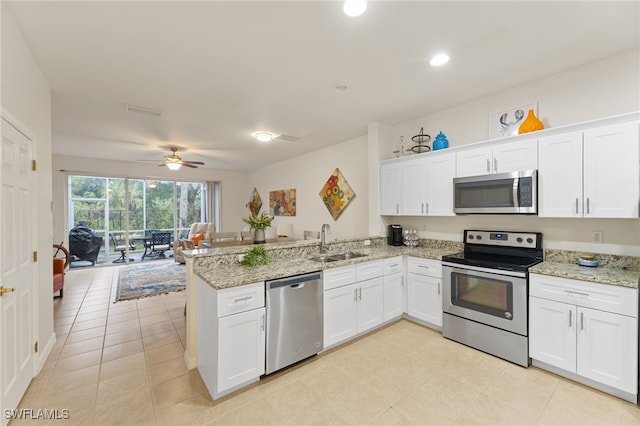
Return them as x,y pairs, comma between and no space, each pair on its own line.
530,124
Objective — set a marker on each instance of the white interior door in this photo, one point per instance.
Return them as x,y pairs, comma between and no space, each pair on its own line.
16,268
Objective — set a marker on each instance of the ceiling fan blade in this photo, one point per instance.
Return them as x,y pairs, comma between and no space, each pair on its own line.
199,163
186,164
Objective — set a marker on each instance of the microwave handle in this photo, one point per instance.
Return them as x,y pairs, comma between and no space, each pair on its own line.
516,183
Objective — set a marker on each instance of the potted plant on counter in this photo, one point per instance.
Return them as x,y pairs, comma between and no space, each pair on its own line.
259,223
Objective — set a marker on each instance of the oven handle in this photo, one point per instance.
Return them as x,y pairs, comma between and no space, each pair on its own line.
464,268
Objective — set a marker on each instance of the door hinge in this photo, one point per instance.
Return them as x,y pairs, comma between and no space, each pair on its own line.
33,165
35,347
35,256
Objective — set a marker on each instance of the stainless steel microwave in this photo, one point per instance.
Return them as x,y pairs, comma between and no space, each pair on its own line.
511,193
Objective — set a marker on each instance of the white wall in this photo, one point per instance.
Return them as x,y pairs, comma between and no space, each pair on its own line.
26,99
233,186
307,174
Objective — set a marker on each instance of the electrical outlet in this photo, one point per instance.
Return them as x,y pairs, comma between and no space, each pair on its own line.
596,236
240,257
367,242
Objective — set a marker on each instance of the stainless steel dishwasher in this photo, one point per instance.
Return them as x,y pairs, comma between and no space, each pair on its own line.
294,319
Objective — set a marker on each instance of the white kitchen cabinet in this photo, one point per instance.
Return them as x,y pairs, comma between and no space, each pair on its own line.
390,188
497,158
424,290
395,292
352,307
586,329
231,336
590,173
418,186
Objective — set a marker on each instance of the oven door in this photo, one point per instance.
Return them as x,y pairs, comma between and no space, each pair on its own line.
495,298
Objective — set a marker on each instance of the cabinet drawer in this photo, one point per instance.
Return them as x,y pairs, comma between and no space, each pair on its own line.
430,267
392,265
338,277
240,299
368,270
609,298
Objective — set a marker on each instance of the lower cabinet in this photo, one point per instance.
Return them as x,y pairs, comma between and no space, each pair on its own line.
424,290
231,336
350,309
586,329
395,290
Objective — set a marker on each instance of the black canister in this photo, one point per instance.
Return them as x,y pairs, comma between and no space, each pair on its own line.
394,235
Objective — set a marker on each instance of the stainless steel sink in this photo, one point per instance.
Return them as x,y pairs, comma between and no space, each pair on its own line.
337,257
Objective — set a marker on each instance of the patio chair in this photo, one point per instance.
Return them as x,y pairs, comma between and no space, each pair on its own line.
159,243
121,246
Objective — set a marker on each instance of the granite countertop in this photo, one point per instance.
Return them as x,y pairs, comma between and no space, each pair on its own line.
601,274
220,276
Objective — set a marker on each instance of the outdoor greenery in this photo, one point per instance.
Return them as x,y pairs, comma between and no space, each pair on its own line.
151,204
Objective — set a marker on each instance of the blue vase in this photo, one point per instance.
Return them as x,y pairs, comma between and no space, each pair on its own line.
440,142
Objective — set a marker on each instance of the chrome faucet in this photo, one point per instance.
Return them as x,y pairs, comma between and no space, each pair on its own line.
326,229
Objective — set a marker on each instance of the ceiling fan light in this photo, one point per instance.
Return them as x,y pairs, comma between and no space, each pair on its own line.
173,166
439,59
264,136
354,7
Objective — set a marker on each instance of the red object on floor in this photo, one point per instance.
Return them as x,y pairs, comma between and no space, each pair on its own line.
58,275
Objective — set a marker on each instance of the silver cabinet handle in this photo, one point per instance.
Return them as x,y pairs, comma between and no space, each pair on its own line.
570,318
262,322
395,265
587,205
242,299
581,321
422,210
576,206
397,208
495,165
427,212
488,166
438,287
360,293
577,292
402,281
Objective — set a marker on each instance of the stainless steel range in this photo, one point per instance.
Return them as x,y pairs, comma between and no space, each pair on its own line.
486,289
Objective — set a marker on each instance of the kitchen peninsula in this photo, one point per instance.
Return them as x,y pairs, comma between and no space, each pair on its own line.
218,272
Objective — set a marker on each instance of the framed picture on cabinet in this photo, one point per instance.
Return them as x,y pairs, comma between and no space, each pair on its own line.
506,122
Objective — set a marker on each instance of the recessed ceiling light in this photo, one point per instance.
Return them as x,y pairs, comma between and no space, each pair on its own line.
439,59
264,136
354,7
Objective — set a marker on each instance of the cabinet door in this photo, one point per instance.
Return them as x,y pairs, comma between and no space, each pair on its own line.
414,188
515,156
339,314
441,169
560,175
424,298
611,168
370,304
241,348
390,189
608,348
394,296
552,333
474,162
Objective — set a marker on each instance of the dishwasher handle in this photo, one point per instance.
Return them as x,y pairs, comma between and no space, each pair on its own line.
294,282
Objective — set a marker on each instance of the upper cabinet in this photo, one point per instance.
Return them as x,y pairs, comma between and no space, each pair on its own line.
498,158
418,186
590,173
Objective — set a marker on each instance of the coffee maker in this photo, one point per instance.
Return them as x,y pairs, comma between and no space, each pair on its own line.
394,235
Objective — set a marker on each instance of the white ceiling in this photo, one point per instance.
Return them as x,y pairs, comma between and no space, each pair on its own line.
220,71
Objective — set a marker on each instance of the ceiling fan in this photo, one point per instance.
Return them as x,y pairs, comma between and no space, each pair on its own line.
174,161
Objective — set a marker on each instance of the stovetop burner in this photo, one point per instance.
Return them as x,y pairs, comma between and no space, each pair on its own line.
509,251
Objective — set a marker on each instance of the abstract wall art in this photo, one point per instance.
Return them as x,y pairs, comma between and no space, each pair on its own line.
282,202
336,194
255,203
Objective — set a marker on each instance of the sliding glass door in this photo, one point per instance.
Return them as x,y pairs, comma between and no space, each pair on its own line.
120,209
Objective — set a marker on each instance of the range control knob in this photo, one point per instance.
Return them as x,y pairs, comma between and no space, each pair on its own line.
530,240
470,237
478,237
519,239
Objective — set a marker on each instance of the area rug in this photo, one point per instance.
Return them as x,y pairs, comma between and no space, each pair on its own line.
150,279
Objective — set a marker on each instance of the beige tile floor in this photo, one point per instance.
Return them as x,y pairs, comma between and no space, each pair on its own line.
121,364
